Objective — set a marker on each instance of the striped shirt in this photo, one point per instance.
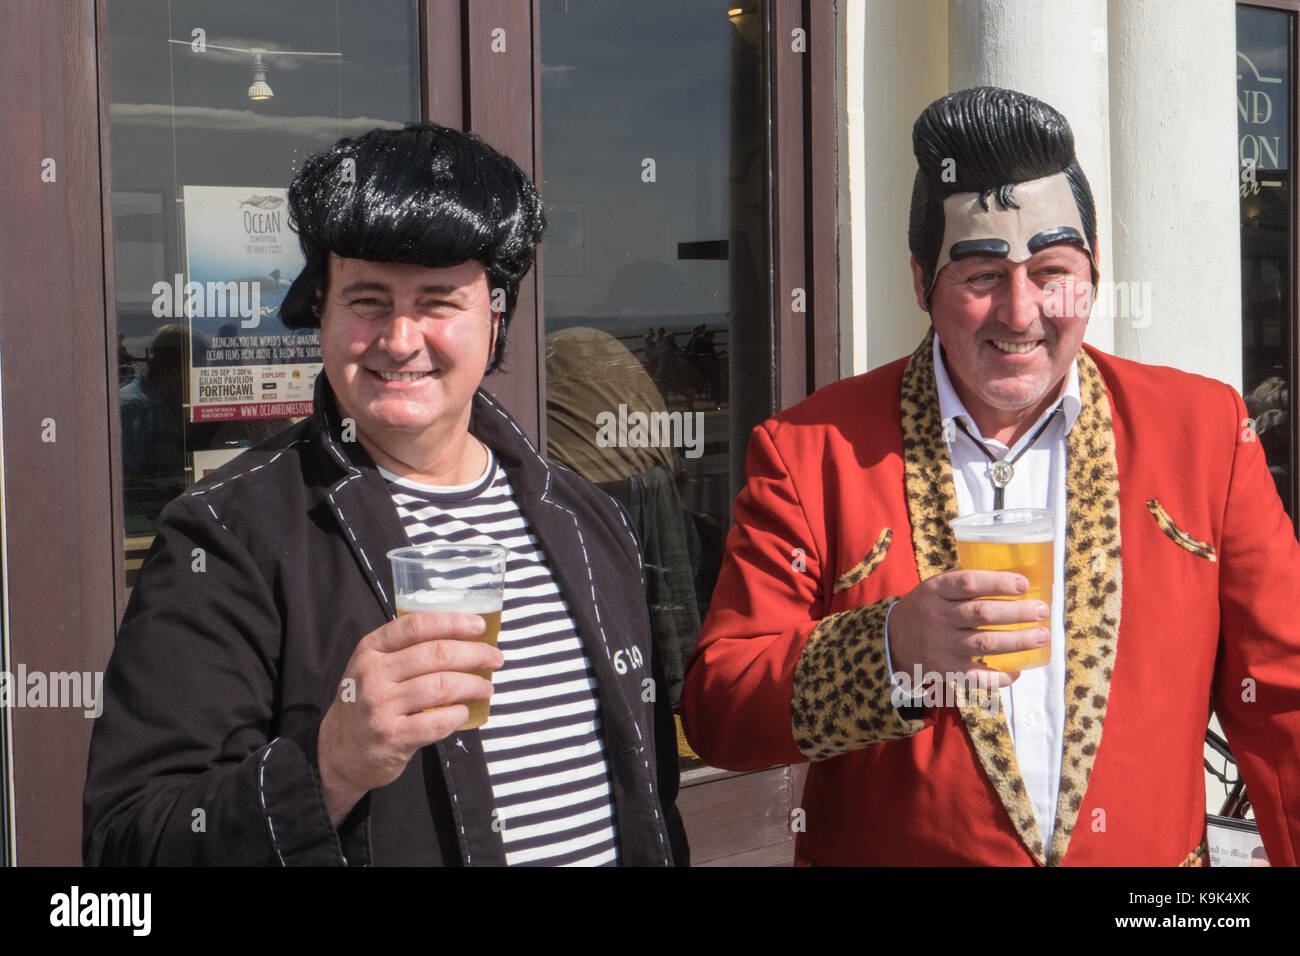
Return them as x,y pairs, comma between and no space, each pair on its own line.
543,742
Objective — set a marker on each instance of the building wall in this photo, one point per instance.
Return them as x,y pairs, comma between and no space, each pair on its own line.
1176,221
896,57
1057,52
1149,88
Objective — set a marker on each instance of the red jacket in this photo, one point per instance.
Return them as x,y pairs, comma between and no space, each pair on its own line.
1182,573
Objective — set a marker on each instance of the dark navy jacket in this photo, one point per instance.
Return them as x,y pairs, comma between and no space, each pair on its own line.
260,583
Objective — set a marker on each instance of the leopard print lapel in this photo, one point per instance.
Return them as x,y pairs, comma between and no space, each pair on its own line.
1092,593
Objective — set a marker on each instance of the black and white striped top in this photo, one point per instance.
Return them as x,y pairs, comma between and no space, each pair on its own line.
543,742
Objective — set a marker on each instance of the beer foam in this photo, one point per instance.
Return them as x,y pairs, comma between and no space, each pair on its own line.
457,600
1018,529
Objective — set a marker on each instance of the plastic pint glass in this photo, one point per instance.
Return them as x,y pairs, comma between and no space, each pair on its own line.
1020,540
464,580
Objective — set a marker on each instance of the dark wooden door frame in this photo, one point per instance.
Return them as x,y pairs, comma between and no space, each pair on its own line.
59,361
786,64
502,68
442,90
819,135
804,114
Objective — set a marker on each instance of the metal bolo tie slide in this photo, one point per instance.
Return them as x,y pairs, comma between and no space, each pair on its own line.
1002,470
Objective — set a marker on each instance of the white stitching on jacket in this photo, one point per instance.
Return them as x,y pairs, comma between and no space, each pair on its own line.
328,441
347,526
469,858
217,518
196,492
636,547
261,795
199,492
595,606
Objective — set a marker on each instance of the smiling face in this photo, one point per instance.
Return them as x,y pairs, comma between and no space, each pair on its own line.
404,348
1010,301
1010,331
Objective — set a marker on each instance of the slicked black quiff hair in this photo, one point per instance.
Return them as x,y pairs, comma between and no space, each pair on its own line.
994,138
424,194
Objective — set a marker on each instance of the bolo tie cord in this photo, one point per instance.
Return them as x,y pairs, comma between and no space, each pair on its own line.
1002,470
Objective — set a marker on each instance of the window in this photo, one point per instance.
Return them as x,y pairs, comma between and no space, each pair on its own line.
658,356
1265,107
213,106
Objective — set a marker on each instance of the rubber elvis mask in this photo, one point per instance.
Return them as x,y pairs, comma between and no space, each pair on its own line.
1047,216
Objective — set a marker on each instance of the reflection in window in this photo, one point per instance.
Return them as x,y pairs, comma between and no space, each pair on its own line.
657,298
213,106
1264,55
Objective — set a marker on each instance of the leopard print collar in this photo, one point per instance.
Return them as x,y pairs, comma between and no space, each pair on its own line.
1092,593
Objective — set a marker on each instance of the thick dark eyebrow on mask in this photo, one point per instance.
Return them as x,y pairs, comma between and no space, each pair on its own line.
970,248
1055,237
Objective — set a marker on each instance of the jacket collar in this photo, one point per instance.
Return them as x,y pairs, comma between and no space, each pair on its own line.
1093,587
950,403
489,422
359,497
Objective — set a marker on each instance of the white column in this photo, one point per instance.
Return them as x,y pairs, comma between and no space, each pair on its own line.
1055,50
1174,182
895,63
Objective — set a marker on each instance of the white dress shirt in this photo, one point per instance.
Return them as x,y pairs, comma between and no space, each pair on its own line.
1034,705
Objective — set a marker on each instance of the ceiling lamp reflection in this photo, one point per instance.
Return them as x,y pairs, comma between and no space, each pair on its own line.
260,89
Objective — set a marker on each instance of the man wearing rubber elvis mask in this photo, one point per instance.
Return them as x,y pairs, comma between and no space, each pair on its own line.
1013,226
953,715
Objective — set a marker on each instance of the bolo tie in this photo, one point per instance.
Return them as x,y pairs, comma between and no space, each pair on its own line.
1002,470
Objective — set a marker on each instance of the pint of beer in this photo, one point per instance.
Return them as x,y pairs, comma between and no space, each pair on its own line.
1019,540
461,580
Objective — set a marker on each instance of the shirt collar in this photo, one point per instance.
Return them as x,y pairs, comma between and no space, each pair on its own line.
471,489
950,406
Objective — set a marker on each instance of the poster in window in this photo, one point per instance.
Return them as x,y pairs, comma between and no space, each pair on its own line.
241,257
1234,842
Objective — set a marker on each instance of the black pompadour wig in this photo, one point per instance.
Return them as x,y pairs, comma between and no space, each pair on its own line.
987,139
424,194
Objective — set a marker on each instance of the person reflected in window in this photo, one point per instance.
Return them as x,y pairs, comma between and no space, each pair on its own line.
592,378
152,410
1268,406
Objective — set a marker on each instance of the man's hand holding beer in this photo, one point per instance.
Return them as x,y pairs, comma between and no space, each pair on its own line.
936,624
412,682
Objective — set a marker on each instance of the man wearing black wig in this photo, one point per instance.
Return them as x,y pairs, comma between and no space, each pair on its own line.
1175,566
263,703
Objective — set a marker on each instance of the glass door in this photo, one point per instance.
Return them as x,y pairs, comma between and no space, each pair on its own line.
656,287
213,106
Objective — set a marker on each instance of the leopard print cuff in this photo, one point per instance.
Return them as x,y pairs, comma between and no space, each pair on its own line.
842,692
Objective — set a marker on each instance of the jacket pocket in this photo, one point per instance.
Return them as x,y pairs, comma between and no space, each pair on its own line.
1177,535
868,564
